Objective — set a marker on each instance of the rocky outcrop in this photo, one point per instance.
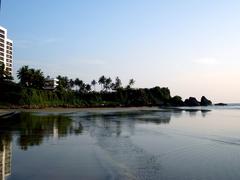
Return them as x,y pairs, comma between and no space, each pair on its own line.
192,101
220,104
205,102
176,101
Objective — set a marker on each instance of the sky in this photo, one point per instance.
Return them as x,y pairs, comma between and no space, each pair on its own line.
190,46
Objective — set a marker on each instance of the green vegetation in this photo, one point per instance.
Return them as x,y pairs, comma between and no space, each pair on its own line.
29,92
30,77
4,75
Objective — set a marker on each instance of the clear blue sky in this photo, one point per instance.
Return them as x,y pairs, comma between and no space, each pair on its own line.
190,46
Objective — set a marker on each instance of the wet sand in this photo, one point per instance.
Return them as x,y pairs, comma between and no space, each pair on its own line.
5,112
72,110
104,143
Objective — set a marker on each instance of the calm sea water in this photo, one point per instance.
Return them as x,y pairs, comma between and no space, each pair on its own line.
151,143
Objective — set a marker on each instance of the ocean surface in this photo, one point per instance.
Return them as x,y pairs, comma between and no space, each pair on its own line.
129,143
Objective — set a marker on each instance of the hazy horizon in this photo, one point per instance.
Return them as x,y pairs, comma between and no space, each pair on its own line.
192,47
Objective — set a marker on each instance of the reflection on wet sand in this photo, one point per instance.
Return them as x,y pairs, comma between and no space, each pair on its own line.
110,130
5,158
31,129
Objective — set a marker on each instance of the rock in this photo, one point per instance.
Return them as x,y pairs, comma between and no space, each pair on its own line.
176,101
205,101
220,104
192,101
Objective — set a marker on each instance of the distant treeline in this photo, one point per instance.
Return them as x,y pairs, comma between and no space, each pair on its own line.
14,95
29,92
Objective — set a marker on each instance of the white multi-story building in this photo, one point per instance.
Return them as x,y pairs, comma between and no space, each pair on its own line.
6,50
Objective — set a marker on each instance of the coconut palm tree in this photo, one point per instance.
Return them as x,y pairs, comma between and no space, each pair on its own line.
78,82
23,75
118,84
81,85
63,83
31,77
131,83
107,85
102,81
93,83
71,83
88,87
37,78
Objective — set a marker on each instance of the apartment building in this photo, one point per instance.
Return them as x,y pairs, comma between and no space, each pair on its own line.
6,50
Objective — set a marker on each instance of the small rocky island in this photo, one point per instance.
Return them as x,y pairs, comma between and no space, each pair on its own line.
192,101
220,104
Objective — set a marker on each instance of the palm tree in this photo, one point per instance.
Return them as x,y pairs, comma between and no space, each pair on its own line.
93,83
37,78
88,87
118,83
63,83
77,82
80,84
102,81
113,86
82,87
23,75
131,83
107,84
31,77
71,83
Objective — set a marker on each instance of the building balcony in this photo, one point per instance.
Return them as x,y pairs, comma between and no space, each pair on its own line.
2,32
2,36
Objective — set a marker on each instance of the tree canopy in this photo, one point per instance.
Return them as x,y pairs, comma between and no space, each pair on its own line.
31,77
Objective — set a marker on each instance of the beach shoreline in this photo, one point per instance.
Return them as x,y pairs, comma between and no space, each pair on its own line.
69,110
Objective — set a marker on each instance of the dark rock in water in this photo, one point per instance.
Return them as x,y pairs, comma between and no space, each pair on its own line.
220,104
176,101
192,101
205,101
